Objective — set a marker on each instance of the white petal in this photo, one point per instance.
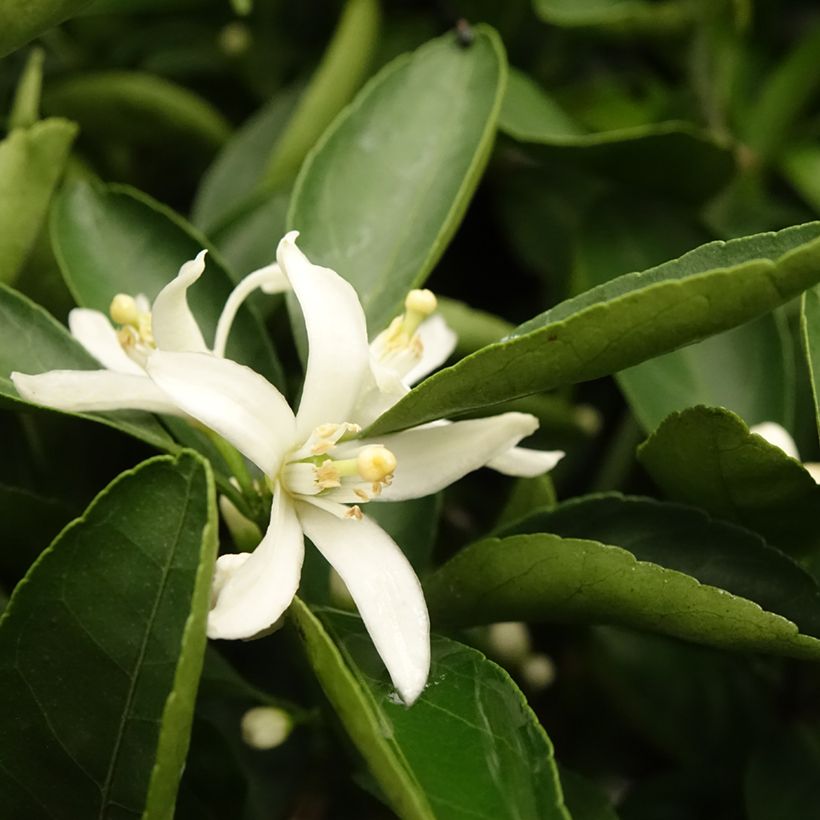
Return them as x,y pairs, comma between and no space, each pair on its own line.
250,595
777,435
172,322
438,341
231,399
435,455
81,391
269,279
97,335
526,463
386,591
338,356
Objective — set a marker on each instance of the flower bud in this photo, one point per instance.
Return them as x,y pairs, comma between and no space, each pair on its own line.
266,727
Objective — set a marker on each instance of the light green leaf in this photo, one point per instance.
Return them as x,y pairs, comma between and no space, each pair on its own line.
339,75
31,163
810,332
545,577
625,15
382,193
687,540
486,755
32,341
529,110
706,456
112,239
101,649
623,322
22,20
25,108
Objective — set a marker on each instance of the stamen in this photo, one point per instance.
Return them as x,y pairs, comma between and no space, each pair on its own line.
326,475
354,512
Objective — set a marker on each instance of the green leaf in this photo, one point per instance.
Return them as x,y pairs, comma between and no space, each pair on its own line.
707,457
32,341
139,109
545,577
22,20
112,239
31,163
623,322
810,332
800,165
101,649
239,166
643,156
25,108
339,75
469,747
782,775
686,540
585,800
382,193
626,15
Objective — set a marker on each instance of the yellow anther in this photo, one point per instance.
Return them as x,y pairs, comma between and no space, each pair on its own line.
327,475
144,328
124,310
354,512
375,463
421,301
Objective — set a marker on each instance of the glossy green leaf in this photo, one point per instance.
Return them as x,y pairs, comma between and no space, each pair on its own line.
336,80
139,108
627,15
384,190
101,648
707,457
810,331
623,322
487,756
31,164
782,774
22,20
687,540
111,239
32,341
642,156
239,167
545,577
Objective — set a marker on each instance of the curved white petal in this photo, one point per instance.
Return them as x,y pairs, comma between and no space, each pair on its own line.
380,391
338,357
778,436
269,279
526,463
96,334
231,399
438,341
81,391
172,322
386,591
249,595
435,455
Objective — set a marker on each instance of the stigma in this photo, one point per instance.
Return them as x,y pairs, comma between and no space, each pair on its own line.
134,318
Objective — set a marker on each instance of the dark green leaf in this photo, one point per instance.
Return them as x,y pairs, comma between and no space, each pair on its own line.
687,540
707,457
585,800
31,341
22,20
111,239
468,747
384,190
623,322
31,163
545,577
101,649
810,330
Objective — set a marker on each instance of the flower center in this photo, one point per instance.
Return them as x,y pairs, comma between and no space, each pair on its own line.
134,318
332,472
400,346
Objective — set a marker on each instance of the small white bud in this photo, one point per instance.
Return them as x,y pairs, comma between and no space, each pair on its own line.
777,435
265,727
375,463
537,672
124,310
509,642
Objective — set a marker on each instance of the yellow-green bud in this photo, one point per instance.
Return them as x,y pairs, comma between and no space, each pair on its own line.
266,727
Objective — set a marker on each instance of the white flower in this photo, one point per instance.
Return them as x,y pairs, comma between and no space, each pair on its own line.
777,435
124,347
318,472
